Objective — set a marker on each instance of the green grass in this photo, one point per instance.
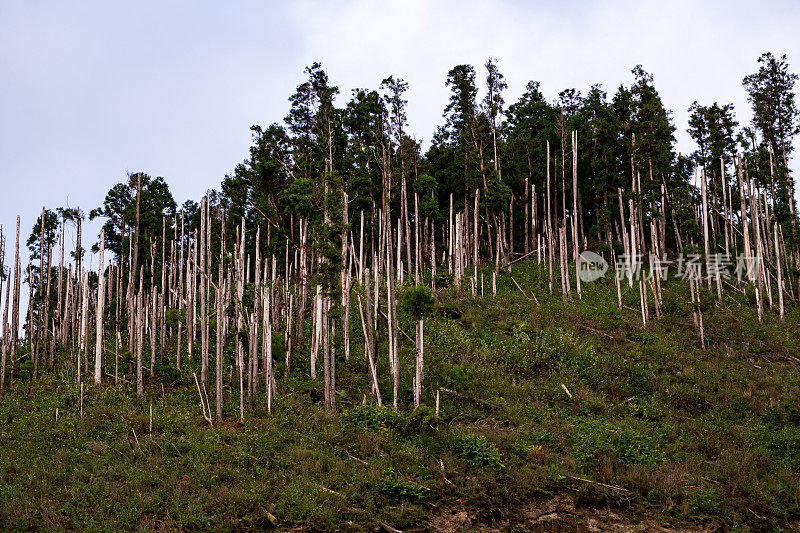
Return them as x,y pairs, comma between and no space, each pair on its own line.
694,435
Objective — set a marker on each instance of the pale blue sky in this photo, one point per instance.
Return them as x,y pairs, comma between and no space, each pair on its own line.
90,90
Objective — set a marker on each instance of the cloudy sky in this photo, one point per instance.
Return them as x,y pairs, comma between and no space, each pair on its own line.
92,90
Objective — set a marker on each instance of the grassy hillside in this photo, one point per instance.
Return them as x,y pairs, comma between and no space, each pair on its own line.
554,412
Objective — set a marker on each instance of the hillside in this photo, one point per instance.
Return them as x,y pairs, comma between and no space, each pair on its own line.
554,414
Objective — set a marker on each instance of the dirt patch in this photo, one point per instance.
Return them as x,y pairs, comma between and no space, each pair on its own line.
561,514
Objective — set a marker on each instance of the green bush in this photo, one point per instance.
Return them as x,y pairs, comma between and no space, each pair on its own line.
417,301
397,489
373,418
174,316
630,446
477,450
633,447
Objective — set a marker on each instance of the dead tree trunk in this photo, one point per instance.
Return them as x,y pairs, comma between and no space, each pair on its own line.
99,308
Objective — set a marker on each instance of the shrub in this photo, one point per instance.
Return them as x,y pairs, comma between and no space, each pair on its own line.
627,444
633,447
174,316
419,418
477,450
371,417
397,489
417,301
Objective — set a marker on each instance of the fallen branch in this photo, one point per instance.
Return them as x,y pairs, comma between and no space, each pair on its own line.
519,259
329,491
732,286
112,376
207,417
523,292
441,465
612,487
624,402
398,327
566,390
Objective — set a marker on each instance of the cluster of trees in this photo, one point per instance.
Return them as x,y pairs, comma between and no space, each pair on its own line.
484,154
337,195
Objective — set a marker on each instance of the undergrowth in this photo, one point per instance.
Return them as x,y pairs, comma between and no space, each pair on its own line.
548,394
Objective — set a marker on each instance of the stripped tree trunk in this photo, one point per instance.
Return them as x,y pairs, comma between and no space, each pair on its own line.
15,307
139,332
99,309
419,362
575,211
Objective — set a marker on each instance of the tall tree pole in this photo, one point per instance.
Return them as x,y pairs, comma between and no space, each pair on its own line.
99,305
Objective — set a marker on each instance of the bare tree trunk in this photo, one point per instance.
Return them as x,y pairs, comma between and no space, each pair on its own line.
84,320
15,308
344,279
420,362
46,319
99,309
139,333
5,340
417,259
266,347
316,340
153,328
725,213
575,210
549,223
705,223
327,357
221,318
361,251
36,333
303,297
433,255
239,273
391,322
697,313
780,272
369,340
754,212
450,240
203,293
743,216
475,243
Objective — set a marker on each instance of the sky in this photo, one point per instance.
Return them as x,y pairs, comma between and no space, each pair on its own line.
90,91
